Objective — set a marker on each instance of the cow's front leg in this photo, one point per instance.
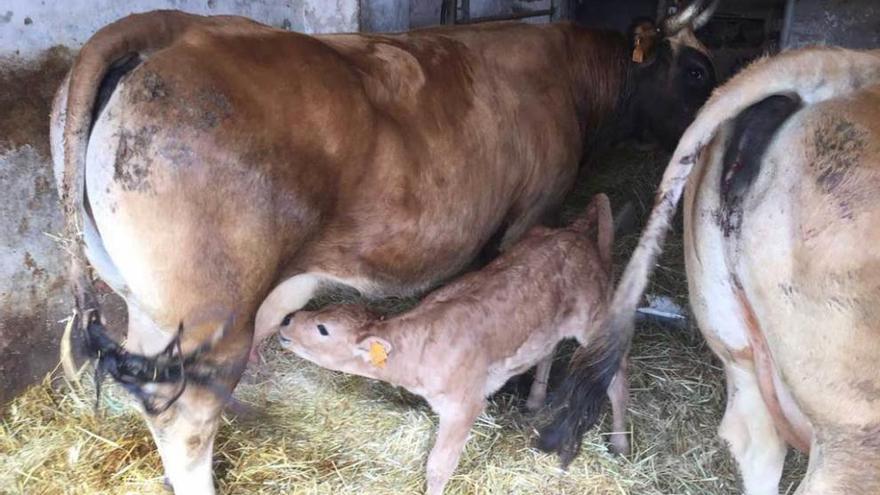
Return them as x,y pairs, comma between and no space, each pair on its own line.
538,392
456,420
288,297
750,433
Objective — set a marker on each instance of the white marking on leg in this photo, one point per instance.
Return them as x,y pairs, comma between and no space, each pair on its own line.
184,435
749,431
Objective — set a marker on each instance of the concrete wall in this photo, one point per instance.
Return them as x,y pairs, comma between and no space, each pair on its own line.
384,16
37,42
27,27
848,23
427,12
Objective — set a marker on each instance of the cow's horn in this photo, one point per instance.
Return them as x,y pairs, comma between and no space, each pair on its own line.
678,21
706,14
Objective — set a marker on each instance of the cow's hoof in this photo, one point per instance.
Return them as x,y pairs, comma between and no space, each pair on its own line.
533,405
620,444
240,410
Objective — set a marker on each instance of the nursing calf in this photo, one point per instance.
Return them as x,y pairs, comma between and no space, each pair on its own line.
464,341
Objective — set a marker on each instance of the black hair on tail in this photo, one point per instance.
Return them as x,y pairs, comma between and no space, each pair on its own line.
583,393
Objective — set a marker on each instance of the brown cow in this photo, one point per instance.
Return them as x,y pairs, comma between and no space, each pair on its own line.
782,221
232,169
464,341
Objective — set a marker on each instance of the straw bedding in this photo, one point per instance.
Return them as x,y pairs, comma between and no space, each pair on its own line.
314,431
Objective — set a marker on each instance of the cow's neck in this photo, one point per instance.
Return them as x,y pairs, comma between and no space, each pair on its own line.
599,67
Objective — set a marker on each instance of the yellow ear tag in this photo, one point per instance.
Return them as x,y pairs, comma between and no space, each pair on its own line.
638,53
378,355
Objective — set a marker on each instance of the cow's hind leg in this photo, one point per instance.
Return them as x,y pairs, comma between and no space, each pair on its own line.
749,430
184,433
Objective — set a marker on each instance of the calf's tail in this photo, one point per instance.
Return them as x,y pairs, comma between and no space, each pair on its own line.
813,74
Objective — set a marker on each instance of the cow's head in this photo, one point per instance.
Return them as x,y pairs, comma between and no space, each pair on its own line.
336,337
671,74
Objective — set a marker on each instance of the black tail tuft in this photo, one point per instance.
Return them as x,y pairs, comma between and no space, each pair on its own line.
581,397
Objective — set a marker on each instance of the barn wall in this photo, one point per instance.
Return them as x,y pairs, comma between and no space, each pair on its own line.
27,27
37,41
427,12
848,23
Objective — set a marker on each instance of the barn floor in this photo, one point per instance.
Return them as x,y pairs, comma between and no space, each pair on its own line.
321,432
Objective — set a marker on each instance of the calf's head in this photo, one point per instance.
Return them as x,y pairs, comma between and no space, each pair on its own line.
671,74
337,337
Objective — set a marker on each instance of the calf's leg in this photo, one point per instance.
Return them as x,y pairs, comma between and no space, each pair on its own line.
618,393
538,392
748,428
456,420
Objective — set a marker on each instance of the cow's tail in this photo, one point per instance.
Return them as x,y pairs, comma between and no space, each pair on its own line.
132,36
814,74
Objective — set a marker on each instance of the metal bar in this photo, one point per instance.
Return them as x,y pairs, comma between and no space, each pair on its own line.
465,12
447,12
788,18
509,17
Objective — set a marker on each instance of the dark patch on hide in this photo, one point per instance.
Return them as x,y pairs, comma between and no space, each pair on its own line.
867,389
838,145
753,131
153,87
131,169
208,109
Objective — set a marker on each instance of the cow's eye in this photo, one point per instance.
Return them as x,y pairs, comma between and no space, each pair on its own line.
286,320
323,330
695,74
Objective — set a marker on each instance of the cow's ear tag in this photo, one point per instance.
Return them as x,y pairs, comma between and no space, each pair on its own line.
378,354
638,55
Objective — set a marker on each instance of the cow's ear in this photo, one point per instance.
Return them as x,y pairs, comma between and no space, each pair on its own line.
644,36
374,350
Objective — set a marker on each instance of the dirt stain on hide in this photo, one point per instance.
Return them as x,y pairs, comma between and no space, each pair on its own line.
131,169
208,109
839,145
152,88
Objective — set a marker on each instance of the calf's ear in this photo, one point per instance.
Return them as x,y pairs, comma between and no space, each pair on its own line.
374,350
